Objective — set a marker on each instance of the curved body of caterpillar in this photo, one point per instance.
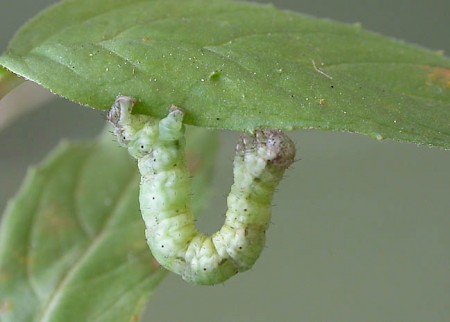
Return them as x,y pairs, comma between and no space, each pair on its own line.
165,192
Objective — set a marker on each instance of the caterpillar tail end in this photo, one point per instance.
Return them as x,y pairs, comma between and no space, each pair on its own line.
120,110
272,145
124,123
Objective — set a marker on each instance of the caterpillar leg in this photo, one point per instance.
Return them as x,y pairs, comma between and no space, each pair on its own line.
260,161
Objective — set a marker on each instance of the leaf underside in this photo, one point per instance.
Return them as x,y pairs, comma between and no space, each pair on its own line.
237,66
8,81
72,243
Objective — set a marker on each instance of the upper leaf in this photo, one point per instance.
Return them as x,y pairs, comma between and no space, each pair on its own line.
238,66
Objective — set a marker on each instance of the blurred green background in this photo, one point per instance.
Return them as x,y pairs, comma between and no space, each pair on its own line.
360,228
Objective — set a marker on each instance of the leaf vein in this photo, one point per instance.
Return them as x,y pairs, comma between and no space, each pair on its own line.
56,294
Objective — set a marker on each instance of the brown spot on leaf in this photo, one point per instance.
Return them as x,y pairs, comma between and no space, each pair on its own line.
322,101
438,76
57,219
145,39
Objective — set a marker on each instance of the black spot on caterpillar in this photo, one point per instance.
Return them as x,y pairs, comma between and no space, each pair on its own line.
260,161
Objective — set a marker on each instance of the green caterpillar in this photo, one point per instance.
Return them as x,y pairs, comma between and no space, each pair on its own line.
177,245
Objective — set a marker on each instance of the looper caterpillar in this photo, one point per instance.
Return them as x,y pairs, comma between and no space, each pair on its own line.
259,164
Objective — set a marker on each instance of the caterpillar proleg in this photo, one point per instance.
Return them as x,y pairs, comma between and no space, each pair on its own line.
158,145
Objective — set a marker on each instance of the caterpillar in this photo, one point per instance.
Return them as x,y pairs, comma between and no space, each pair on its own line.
158,145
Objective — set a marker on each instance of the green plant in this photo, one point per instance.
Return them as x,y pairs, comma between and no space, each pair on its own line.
219,93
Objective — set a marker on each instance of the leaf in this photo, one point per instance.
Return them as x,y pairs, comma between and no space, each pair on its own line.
237,66
69,250
72,245
8,81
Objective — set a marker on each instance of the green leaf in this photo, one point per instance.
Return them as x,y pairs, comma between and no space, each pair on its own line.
238,66
8,81
72,243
